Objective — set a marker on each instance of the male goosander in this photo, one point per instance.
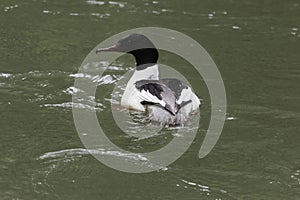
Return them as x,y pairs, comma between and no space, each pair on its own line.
168,101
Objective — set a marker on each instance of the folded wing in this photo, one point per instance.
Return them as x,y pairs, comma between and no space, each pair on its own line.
154,92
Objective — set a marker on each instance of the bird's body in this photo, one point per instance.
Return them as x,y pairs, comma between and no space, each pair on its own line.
131,93
168,101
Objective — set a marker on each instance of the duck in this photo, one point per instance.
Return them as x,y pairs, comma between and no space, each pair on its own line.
168,101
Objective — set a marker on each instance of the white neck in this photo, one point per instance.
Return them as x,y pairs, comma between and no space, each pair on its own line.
128,99
150,73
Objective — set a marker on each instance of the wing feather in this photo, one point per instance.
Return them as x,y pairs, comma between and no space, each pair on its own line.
155,92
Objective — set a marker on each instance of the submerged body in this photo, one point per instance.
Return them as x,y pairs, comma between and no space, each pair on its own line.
168,101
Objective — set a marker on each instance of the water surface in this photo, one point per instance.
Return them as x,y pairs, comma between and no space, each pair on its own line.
256,46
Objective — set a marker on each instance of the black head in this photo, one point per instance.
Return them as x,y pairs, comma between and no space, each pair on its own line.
139,46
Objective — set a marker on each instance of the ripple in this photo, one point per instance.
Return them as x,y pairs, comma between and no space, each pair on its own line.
81,75
54,163
296,176
32,86
104,80
95,107
64,105
203,188
69,153
101,15
43,74
67,156
72,90
120,4
74,14
5,75
101,3
156,12
210,16
40,182
231,118
46,11
51,12
117,68
294,31
8,8
235,27
94,2
214,192
166,10
72,163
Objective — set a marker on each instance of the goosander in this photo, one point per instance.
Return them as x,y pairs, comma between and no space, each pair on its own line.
168,101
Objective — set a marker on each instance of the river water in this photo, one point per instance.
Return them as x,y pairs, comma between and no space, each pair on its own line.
255,45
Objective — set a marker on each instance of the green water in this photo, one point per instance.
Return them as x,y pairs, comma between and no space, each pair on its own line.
256,46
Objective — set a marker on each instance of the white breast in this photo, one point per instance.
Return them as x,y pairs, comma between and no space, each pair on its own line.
130,98
186,95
